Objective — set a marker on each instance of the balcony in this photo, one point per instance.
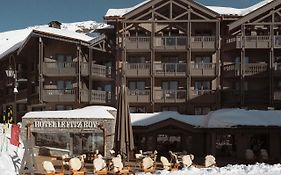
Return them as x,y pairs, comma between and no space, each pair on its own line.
170,69
255,68
203,69
203,96
101,71
138,70
59,68
139,96
254,42
58,95
137,42
170,96
170,42
203,42
251,69
97,96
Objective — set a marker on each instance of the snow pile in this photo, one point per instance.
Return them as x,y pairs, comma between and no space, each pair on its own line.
10,155
257,169
98,112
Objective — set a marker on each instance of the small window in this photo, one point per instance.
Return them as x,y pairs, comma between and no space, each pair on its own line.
201,110
137,109
59,107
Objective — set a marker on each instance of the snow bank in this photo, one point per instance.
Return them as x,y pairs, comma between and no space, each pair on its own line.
257,169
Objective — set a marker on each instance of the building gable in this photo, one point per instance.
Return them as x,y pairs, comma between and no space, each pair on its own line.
264,14
171,10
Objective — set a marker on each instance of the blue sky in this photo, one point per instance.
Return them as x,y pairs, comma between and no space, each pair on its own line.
17,14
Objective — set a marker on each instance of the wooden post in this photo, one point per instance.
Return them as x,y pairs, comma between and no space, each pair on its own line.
28,164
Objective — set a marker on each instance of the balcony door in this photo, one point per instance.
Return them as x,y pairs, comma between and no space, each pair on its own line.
136,87
201,61
170,85
202,86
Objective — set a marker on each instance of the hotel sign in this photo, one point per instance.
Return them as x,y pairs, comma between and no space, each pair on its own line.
66,124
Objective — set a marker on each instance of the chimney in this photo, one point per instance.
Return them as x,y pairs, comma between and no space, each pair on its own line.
55,24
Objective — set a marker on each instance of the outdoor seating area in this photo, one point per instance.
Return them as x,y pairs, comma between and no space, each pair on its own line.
143,162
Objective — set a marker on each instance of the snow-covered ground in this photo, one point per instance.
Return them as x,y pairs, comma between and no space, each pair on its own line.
257,169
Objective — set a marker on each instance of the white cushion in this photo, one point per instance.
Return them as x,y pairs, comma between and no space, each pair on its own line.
48,166
75,164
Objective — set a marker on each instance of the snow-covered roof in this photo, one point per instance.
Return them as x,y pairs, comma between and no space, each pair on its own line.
89,112
12,40
217,9
145,119
224,118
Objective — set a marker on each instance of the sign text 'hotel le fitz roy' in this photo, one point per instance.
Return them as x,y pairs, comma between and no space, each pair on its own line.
65,124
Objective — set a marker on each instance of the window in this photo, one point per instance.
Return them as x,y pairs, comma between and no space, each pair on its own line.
169,85
137,109
63,107
65,86
136,85
202,87
201,110
136,59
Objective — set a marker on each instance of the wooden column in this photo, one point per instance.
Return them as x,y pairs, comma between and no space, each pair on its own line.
271,62
242,67
79,74
90,75
152,58
218,72
188,56
41,58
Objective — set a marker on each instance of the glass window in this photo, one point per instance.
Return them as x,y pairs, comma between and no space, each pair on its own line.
137,109
54,140
169,85
87,142
60,58
60,84
59,107
136,85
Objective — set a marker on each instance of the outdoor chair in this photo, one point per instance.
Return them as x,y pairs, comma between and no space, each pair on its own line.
76,166
174,160
100,167
249,155
118,166
187,160
148,165
166,164
50,169
263,155
65,162
210,161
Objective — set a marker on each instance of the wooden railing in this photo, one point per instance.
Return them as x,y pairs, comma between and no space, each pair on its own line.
59,68
170,41
261,41
201,42
170,95
202,92
255,68
277,95
170,68
98,96
203,65
101,70
138,42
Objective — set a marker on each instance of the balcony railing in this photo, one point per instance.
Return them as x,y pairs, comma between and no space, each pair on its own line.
138,69
203,69
170,96
170,69
205,96
250,69
263,41
138,43
141,96
174,42
203,42
96,96
59,95
255,68
101,71
59,68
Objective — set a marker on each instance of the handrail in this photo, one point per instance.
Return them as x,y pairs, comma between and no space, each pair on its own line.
203,65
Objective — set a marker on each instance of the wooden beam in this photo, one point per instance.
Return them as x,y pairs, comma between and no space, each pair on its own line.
179,16
162,16
199,15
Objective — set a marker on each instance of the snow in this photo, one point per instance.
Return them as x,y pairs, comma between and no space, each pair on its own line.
257,169
217,9
145,119
89,112
12,40
223,118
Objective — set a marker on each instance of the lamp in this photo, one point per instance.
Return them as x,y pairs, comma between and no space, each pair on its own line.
10,72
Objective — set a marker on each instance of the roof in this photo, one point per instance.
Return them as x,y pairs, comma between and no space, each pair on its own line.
217,9
90,112
224,118
12,40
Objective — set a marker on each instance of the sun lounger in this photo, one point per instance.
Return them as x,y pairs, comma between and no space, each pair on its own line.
75,165
210,161
187,160
148,165
118,166
100,167
50,169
